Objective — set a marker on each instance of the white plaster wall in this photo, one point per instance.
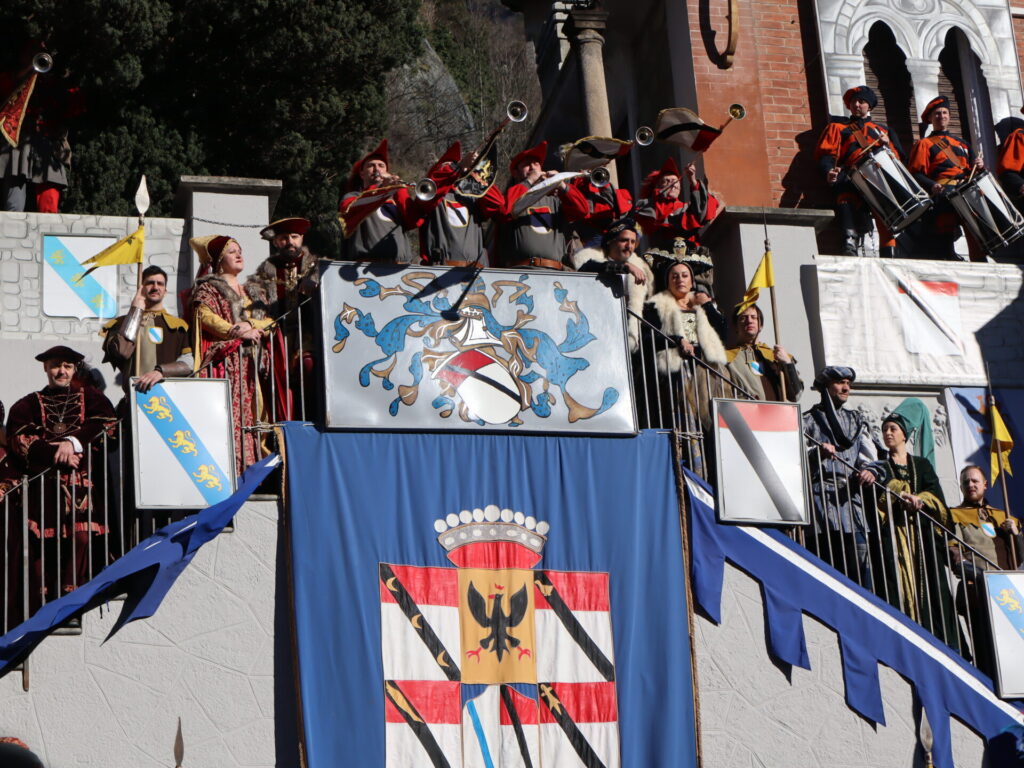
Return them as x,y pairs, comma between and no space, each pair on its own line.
207,657
755,714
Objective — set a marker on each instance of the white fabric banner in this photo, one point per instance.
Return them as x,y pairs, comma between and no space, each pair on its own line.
898,321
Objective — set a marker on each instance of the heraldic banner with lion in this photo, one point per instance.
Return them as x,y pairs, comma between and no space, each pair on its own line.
489,600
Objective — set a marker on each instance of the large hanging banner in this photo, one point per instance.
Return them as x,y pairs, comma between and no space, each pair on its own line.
429,348
927,323
452,613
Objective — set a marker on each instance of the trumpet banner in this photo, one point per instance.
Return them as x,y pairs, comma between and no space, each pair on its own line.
12,113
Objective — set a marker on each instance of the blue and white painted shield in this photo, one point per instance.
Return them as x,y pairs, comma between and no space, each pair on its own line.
184,444
483,384
155,334
67,291
989,529
755,366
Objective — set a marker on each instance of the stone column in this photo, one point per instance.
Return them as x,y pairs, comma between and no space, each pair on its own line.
924,76
586,30
844,71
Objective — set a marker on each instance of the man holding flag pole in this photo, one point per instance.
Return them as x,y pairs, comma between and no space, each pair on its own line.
1002,444
768,372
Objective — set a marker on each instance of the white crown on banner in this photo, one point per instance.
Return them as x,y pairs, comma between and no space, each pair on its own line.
479,531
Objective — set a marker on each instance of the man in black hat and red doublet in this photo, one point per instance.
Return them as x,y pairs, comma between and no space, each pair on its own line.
380,234
282,282
64,429
534,235
842,144
665,215
942,161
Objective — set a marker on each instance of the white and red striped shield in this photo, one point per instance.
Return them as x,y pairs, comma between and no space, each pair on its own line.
483,383
760,462
549,701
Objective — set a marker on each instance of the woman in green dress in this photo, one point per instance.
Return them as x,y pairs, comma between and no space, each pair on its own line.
910,540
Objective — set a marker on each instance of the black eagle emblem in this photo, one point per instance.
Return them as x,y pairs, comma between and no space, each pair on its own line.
499,641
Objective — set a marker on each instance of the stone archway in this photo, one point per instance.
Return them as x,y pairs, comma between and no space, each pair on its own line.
920,28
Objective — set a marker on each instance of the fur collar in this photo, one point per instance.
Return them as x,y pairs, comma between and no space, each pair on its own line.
637,294
673,323
229,294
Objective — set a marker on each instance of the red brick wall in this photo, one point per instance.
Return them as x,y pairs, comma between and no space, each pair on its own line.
1018,36
765,160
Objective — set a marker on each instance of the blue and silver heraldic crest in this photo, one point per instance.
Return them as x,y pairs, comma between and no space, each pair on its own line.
499,349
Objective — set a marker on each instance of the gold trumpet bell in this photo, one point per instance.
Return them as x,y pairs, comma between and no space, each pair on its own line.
737,111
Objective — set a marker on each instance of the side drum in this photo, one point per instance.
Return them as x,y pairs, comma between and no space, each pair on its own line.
987,212
889,189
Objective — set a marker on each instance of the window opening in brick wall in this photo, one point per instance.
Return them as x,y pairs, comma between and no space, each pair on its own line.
886,73
961,79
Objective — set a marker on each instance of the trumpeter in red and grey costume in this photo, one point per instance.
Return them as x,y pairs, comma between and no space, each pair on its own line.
379,235
534,236
665,214
451,232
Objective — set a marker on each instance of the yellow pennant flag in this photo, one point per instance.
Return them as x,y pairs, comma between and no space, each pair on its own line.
1002,444
126,251
764,277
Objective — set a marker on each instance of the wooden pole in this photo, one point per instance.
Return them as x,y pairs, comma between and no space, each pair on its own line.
1014,558
775,314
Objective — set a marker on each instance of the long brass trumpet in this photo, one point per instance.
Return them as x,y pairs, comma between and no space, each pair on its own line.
736,112
515,112
42,62
599,177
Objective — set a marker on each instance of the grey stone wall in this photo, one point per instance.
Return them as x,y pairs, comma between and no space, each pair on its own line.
208,656
25,330
755,714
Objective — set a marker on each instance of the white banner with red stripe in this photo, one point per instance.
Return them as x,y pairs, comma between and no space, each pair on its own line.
914,322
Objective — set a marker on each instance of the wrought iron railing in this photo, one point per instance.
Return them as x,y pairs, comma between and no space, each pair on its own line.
903,556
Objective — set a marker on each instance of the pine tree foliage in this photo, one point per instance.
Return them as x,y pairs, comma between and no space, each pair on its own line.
280,89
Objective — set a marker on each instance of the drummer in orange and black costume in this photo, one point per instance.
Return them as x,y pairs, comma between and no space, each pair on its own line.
841,146
940,162
1010,165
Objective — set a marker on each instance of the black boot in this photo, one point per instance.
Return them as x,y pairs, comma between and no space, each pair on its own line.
887,252
851,242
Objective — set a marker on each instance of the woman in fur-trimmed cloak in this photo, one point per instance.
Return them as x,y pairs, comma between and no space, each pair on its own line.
679,395
228,337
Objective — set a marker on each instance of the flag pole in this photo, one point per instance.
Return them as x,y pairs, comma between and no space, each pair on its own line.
141,205
1014,559
775,309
